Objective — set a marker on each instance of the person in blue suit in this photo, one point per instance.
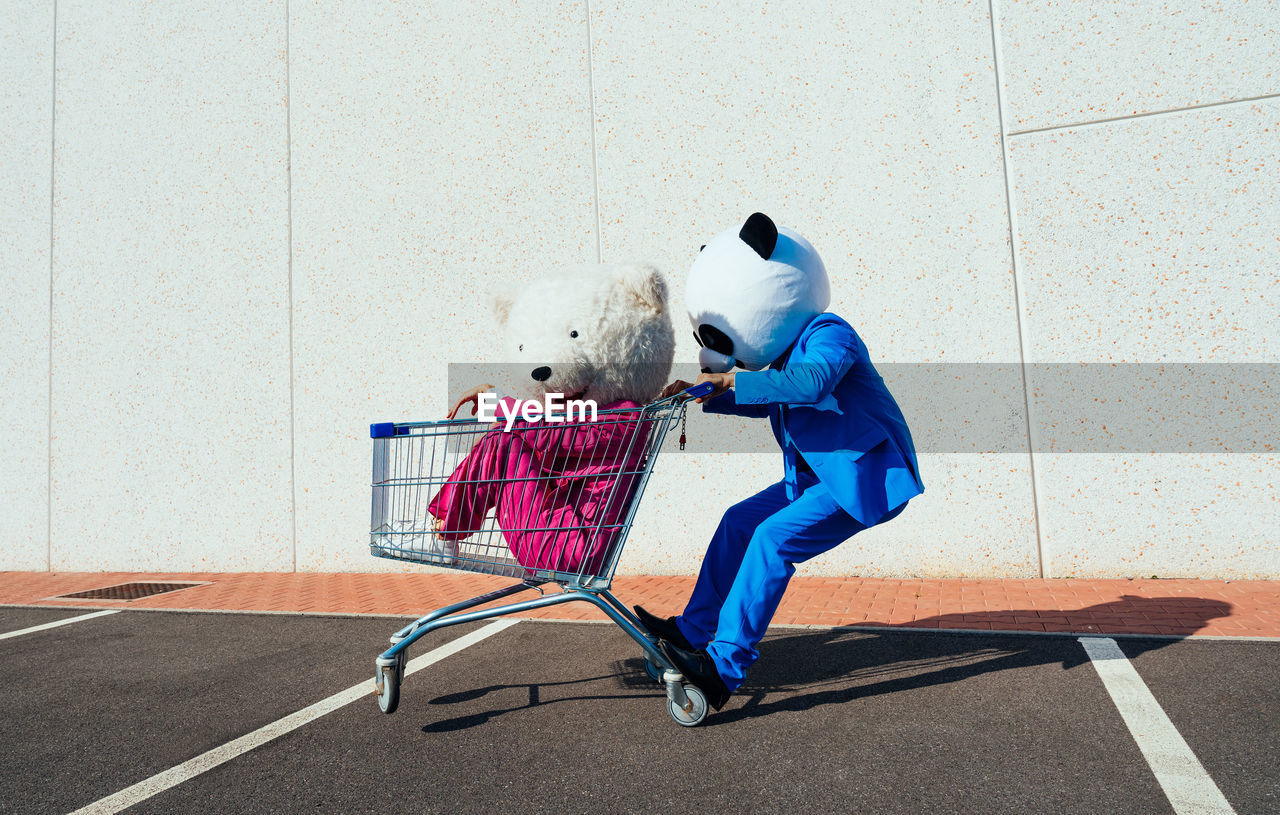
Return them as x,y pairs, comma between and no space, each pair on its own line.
757,298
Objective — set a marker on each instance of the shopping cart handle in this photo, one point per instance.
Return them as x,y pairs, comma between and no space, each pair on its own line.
698,391
385,430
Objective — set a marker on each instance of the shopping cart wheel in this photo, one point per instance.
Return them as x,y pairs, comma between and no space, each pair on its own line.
386,684
697,708
652,671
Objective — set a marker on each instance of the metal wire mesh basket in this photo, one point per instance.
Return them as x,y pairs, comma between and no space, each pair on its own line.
546,500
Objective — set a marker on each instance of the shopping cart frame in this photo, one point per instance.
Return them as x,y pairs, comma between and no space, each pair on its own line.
686,703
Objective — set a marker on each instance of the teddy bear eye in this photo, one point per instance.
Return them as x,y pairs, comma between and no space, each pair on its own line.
573,334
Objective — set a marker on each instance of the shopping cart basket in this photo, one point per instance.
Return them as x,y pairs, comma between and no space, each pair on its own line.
548,502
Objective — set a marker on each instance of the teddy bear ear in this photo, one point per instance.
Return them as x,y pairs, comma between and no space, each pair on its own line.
501,305
646,285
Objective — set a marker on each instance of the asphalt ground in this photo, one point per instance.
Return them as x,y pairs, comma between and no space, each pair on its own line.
558,718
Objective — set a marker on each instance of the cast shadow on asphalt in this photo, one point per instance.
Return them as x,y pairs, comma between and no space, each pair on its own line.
630,669
834,666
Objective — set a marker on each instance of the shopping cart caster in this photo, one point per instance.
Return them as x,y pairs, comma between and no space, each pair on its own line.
686,703
694,709
386,683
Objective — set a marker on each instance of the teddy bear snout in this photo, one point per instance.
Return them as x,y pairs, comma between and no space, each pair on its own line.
541,373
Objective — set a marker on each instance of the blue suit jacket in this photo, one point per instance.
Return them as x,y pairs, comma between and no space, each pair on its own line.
826,399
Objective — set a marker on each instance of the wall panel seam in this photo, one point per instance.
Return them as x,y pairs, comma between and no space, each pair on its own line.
1010,211
591,102
48,473
1095,122
288,163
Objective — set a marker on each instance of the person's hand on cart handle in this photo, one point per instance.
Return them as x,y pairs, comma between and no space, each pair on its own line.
674,388
470,396
721,383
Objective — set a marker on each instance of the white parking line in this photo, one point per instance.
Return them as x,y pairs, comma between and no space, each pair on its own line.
56,623
1186,784
204,762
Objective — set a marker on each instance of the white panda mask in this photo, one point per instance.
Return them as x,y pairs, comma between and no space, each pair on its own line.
751,292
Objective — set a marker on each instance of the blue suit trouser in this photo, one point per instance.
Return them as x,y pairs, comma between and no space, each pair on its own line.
748,564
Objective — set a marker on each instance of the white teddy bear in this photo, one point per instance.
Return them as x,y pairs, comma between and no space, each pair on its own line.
599,334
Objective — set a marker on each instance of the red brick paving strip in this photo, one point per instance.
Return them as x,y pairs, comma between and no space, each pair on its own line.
1183,607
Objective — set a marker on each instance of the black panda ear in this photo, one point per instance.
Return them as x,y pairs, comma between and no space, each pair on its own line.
760,234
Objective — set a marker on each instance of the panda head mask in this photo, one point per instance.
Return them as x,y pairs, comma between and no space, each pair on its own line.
751,292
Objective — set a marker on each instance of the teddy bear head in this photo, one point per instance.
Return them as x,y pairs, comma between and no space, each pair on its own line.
751,291
597,332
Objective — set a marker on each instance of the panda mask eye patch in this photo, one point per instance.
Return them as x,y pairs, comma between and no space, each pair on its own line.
715,339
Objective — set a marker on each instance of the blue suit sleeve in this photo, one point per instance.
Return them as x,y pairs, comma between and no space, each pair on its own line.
808,377
726,404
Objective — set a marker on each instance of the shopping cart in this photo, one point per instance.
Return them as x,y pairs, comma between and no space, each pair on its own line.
558,516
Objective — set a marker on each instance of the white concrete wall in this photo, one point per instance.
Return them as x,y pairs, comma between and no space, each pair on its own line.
26,109
274,223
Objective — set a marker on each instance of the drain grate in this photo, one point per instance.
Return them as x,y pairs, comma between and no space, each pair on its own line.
127,591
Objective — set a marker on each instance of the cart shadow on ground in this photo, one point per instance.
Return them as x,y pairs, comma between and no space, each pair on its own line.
802,671
633,670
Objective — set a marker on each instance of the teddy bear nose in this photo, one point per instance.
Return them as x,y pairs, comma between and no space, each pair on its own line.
542,373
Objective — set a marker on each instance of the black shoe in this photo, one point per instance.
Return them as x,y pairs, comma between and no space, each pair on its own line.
664,629
698,668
